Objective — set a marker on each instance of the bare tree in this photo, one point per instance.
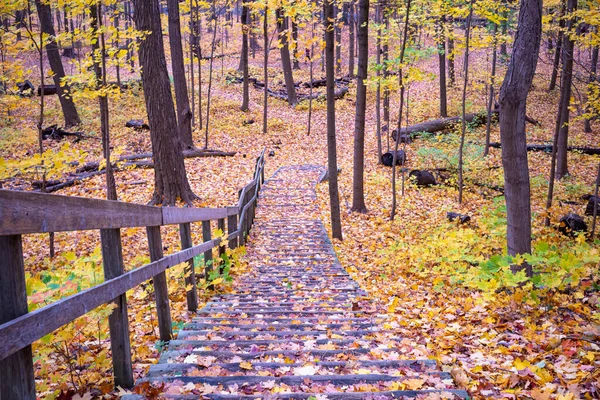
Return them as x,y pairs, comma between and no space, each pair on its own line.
170,179
358,194
513,101
334,199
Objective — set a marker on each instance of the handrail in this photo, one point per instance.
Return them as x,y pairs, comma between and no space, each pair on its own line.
27,212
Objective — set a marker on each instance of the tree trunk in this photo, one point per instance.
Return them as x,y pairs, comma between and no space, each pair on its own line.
559,43
504,25
386,74
100,71
265,65
210,74
338,39
295,42
351,40
464,104
286,64
334,200
184,114
591,95
192,85
170,180
488,126
566,80
244,58
402,88
358,194
66,101
450,52
513,101
439,27
378,94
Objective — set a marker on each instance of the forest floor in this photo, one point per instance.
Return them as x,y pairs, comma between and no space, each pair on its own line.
447,285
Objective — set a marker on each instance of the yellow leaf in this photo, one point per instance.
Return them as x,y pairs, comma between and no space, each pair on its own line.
393,305
414,384
246,365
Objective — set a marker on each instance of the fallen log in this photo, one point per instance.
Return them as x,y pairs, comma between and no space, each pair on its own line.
548,148
443,124
137,124
94,165
55,132
48,90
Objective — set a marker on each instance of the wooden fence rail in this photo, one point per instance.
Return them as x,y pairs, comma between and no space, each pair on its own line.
26,212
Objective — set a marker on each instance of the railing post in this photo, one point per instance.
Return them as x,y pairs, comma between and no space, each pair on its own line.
112,259
185,234
206,236
221,226
161,291
16,370
232,227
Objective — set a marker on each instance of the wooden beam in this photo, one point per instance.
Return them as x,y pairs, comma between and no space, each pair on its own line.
206,236
24,330
185,234
28,212
221,226
174,215
16,369
161,290
112,259
231,228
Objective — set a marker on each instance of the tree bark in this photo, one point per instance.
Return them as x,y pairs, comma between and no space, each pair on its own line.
170,179
286,64
338,39
450,52
334,200
378,94
464,104
488,126
566,79
441,40
265,65
244,57
351,40
184,114
591,95
66,101
559,43
358,194
513,101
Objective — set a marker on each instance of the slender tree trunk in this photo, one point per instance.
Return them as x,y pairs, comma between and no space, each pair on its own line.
401,82
244,58
504,26
286,64
566,80
591,95
464,104
192,51
451,71
338,39
441,40
513,101
115,44
265,65
358,194
559,43
351,40
334,199
170,180
296,62
210,74
595,213
488,125
184,114
66,101
100,70
386,74
311,56
378,95
199,21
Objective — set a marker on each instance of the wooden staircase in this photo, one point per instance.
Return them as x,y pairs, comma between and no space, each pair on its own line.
297,326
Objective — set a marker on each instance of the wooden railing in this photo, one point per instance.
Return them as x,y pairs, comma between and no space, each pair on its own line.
27,212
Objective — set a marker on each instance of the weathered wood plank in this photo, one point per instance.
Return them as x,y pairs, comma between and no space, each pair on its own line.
27,212
118,323
161,290
16,370
231,228
26,329
208,256
221,226
185,234
174,215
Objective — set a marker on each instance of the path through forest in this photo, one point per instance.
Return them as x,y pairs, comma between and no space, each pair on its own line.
297,325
